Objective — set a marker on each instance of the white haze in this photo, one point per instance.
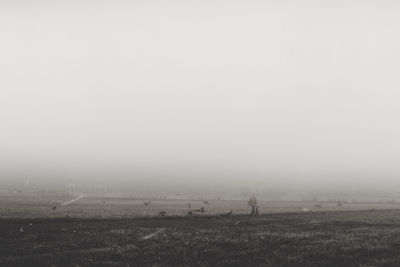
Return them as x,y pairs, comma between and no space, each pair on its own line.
273,93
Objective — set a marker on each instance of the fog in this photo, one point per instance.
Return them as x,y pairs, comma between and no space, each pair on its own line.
285,94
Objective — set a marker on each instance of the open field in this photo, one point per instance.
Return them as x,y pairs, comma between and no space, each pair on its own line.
90,231
332,238
20,206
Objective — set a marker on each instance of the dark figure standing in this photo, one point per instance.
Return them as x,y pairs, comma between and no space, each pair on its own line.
254,207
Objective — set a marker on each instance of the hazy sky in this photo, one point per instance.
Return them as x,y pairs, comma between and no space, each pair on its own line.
230,91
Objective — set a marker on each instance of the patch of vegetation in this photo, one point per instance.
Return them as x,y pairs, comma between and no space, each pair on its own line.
342,238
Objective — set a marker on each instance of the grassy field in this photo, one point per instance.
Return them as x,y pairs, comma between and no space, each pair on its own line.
97,207
328,238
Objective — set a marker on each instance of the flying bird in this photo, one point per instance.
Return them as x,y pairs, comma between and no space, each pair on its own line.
146,203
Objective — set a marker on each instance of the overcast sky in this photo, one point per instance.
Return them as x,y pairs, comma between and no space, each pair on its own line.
272,92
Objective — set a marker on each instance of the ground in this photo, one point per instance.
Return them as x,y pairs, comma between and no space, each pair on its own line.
22,206
316,238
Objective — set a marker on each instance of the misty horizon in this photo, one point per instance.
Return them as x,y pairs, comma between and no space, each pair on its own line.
225,94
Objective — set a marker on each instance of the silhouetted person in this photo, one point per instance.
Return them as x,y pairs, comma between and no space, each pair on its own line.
254,207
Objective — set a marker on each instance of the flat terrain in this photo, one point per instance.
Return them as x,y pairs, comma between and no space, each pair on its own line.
20,206
318,238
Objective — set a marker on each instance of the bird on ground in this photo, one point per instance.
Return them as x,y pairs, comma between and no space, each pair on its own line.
227,214
202,210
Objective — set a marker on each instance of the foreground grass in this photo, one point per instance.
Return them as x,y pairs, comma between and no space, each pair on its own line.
342,238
